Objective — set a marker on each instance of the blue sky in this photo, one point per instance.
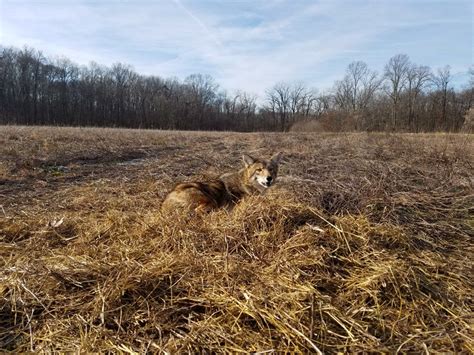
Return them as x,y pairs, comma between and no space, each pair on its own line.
245,44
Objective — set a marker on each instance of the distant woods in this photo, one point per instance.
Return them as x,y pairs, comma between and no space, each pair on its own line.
36,90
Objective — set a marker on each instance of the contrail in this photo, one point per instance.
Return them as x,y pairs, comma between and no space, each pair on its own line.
199,22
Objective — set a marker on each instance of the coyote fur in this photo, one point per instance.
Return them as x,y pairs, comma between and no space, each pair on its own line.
255,177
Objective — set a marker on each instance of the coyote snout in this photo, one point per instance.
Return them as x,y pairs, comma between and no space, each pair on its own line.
255,177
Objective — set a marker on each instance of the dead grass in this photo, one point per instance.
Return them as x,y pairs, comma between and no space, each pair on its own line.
365,244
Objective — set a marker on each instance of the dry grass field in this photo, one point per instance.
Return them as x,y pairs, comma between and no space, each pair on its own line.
364,244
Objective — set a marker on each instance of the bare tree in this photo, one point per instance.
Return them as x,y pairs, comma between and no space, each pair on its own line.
441,81
311,103
202,91
298,94
247,107
396,75
471,76
356,91
122,77
357,88
279,102
418,76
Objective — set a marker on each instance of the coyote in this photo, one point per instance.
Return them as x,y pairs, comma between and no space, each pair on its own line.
254,178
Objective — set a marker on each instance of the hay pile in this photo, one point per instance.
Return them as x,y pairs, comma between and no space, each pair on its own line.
274,274
318,271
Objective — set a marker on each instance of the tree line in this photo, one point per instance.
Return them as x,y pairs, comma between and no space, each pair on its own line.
37,90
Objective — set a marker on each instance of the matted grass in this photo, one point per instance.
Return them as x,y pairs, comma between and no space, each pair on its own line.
364,244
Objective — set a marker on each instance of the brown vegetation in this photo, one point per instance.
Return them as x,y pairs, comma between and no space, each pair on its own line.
364,243
468,126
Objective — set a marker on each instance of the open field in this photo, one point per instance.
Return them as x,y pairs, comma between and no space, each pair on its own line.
365,243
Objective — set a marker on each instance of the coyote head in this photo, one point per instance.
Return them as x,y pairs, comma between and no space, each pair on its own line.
259,173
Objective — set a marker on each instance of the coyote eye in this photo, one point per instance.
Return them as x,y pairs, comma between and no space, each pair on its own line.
259,170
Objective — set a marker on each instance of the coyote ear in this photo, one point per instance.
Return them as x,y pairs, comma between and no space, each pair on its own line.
276,158
248,160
